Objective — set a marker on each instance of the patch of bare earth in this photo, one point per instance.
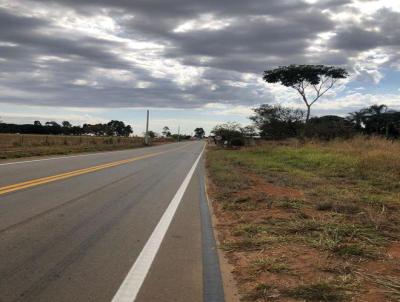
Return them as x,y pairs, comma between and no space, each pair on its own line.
269,266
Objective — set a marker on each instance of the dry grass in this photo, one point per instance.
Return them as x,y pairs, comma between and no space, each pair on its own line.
312,206
25,145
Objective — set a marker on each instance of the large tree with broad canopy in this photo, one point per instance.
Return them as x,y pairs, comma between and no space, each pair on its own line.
310,81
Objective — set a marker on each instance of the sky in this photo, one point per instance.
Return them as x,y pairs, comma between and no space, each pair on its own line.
192,63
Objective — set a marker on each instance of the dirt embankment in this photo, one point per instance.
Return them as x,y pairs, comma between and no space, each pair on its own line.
288,238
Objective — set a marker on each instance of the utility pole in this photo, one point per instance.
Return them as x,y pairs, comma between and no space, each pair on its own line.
146,137
179,134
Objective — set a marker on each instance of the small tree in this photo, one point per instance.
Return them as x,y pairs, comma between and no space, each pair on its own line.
329,127
318,79
115,127
166,131
357,118
127,130
66,124
249,131
378,119
152,134
377,109
52,124
231,133
199,132
277,122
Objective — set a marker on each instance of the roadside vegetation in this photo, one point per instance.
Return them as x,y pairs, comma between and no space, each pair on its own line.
112,128
308,208
25,145
51,138
310,220
276,122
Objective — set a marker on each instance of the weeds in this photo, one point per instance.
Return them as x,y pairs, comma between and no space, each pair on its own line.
290,204
321,291
324,206
347,208
266,264
261,291
348,214
243,245
354,250
391,284
230,206
249,230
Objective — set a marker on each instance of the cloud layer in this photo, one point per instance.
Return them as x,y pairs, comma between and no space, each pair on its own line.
182,53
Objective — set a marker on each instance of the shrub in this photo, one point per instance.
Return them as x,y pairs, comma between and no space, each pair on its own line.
317,292
237,142
277,122
329,127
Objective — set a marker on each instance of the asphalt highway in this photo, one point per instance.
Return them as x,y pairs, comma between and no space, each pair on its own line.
118,226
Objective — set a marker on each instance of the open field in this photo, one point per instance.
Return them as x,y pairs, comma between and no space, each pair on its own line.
310,222
24,145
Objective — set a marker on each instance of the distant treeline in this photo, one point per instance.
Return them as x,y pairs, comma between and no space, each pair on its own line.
277,122
112,128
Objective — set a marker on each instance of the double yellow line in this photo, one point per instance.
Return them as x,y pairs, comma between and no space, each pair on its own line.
44,180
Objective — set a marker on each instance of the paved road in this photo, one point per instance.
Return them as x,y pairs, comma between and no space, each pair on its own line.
84,228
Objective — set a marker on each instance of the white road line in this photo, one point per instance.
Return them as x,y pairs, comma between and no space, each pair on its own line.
64,157
130,287
51,158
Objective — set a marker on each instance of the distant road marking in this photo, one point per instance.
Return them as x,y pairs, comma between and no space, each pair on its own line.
133,281
63,157
44,180
51,158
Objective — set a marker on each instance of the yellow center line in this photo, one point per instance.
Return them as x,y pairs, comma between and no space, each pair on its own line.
44,180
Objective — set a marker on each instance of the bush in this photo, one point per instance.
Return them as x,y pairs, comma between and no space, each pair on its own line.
230,133
277,122
237,142
328,127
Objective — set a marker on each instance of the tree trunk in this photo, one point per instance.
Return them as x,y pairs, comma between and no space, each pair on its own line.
308,113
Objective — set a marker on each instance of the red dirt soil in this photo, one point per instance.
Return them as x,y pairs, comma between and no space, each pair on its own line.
307,264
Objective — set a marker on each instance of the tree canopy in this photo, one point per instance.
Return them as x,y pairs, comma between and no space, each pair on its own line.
166,132
230,132
377,119
113,128
199,132
276,122
151,134
310,81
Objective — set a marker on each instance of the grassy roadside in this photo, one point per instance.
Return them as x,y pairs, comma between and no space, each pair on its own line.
29,151
310,222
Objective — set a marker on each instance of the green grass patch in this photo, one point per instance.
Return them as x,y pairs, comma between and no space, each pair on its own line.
355,250
249,230
350,210
260,291
247,244
322,291
272,265
288,203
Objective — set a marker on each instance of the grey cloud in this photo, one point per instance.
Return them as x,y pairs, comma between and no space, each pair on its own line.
356,38
12,24
187,9
248,38
26,33
379,30
261,34
246,45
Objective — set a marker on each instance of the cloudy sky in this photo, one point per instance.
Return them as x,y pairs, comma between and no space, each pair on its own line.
191,62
